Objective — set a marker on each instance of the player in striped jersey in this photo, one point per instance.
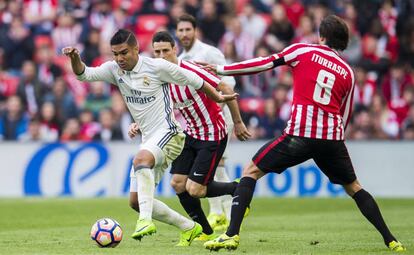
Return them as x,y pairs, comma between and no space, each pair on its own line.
143,83
196,50
206,136
323,86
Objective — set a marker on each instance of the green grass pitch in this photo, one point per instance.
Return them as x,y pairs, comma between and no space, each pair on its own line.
274,226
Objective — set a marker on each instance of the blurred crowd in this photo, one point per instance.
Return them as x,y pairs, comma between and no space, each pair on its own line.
40,98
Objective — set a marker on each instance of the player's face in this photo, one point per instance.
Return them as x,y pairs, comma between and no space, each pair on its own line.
186,34
125,56
165,50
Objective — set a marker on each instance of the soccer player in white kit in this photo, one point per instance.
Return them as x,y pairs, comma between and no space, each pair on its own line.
195,50
143,83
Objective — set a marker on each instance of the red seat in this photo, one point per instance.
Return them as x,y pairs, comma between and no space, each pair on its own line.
149,23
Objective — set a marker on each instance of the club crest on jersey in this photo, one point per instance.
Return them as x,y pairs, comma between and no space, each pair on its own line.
147,81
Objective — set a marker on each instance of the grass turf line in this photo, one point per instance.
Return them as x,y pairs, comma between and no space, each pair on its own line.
275,226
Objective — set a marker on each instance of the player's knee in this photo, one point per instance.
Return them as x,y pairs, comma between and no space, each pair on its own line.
196,190
144,158
252,171
352,188
178,185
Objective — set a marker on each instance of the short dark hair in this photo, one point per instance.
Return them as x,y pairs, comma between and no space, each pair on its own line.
163,36
335,31
124,36
187,18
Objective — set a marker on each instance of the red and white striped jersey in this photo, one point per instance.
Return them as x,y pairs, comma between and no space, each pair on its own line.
204,118
323,88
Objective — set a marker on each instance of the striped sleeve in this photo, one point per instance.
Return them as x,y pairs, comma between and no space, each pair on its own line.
250,66
346,107
212,79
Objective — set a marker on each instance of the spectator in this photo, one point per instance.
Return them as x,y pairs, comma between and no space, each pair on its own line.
13,122
252,23
67,32
49,122
280,31
63,101
88,127
108,129
394,84
244,43
98,98
78,9
36,132
30,89
294,10
47,71
365,87
71,131
40,15
18,46
210,25
408,132
305,32
155,6
283,102
385,122
362,125
271,124
121,116
91,47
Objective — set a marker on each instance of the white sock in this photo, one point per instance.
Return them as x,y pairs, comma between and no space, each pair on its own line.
226,200
146,189
167,215
216,203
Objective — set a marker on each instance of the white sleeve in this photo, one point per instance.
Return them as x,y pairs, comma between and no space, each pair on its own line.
216,57
172,73
100,73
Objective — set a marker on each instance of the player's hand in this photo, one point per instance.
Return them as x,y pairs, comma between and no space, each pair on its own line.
133,130
70,52
225,98
241,131
212,68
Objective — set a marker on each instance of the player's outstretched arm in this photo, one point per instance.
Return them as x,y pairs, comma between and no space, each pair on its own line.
78,66
250,66
240,129
213,94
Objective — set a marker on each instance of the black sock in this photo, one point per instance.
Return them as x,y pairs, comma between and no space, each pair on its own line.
241,199
370,210
216,189
193,208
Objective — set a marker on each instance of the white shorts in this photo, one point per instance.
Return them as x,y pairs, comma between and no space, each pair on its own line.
165,148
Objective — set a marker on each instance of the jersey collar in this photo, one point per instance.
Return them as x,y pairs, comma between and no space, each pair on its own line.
138,65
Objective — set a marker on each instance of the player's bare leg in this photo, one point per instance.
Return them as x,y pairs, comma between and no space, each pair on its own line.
241,199
371,211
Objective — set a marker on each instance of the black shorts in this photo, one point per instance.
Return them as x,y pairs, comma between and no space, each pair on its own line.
199,159
286,151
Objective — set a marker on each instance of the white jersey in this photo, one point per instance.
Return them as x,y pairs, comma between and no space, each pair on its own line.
145,90
206,53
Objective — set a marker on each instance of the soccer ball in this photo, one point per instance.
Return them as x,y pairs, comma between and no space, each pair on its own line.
106,232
